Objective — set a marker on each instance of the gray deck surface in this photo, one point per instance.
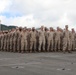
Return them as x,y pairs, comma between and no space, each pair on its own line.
37,63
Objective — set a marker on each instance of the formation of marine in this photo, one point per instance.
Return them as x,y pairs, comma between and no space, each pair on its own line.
23,40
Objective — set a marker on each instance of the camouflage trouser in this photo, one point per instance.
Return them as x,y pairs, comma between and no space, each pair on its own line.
18,45
66,44
50,43
8,44
33,43
23,45
28,44
72,45
11,44
61,44
14,45
41,42
57,45
2,44
5,44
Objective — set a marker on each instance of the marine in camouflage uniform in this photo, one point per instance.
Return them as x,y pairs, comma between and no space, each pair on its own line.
50,36
57,39
19,40
42,39
33,35
67,40
73,36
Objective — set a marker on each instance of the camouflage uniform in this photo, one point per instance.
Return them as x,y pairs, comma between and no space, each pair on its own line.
50,40
73,35
23,41
19,41
57,40
2,41
5,41
33,35
41,40
67,40
8,41
15,38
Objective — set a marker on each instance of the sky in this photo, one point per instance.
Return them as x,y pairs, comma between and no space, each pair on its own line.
34,13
